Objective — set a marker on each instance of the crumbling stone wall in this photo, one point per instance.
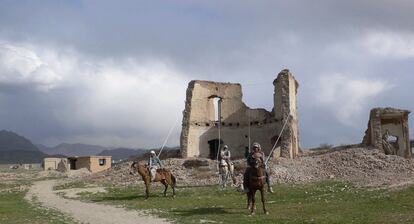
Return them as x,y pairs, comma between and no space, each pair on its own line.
285,110
384,122
199,128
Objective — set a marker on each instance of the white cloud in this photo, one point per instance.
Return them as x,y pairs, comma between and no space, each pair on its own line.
389,44
347,97
121,102
20,65
131,96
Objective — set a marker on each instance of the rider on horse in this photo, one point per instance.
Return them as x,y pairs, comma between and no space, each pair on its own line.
257,150
225,155
153,164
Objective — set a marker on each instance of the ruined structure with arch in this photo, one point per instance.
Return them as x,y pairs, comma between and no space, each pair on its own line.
388,131
215,115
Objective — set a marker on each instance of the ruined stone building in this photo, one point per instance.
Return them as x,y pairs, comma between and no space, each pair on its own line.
216,115
92,163
388,131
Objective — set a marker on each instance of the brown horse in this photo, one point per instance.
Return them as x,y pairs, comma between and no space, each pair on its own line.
256,181
163,175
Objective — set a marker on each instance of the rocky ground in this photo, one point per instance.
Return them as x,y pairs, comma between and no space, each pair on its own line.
362,166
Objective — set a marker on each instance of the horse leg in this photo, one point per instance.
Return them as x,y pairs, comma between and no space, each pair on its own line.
221,179
147,183
263,201
170,180
233,178
165,187
249,201
173,188
225,176
253,205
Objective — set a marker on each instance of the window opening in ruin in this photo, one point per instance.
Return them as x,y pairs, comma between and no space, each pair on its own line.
102,162
217,108
214,148
393,140
412,145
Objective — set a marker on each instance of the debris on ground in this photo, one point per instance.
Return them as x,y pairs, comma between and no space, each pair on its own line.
362,166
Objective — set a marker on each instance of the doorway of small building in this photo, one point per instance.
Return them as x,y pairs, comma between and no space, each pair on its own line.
72,163
214,148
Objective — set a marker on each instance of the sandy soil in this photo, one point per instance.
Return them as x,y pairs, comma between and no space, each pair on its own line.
73,193
86,212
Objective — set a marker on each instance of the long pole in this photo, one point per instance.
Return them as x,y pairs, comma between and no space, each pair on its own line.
219,137
280,134
168,135
249,130
219,128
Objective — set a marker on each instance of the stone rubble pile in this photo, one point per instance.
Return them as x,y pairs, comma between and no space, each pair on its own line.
365,167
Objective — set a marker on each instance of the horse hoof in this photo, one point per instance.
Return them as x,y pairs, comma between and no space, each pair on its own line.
252,213
266,213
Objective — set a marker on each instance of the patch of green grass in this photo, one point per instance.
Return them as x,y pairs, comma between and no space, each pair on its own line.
326,202
15,209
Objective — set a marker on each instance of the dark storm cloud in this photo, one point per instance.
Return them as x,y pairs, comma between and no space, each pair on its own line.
363,48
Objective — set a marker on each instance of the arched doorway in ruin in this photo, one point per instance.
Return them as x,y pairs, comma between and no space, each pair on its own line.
214,145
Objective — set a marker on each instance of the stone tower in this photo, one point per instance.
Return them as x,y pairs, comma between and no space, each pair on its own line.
284,104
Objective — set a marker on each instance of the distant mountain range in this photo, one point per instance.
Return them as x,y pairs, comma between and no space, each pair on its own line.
17,149
122,153
12,141
72,149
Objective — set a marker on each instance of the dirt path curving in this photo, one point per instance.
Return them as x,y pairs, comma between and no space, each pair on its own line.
86,212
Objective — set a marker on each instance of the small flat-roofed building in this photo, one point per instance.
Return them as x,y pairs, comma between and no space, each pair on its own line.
92,163
60,164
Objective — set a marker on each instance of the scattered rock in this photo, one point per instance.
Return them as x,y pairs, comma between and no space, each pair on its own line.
363,166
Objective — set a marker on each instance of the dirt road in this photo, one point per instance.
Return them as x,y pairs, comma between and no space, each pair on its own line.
86,212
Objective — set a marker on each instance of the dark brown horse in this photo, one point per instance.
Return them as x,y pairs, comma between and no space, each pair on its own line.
163,175
256,181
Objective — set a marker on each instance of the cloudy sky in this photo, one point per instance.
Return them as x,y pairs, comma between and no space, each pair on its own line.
115,72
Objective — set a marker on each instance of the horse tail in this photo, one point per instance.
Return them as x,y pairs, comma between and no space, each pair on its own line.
174,180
